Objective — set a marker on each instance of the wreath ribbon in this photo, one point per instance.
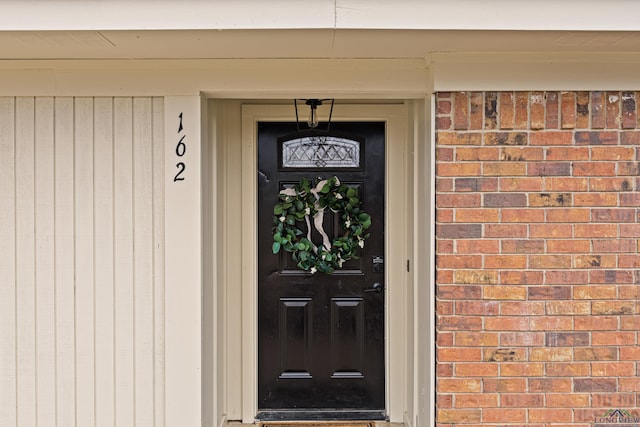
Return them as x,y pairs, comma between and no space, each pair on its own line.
318,218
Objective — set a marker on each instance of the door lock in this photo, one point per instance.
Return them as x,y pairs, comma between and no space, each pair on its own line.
376,287
378,264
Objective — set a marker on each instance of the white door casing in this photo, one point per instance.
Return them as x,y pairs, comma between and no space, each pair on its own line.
396,230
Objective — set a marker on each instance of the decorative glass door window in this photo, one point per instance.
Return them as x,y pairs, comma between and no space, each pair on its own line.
320,151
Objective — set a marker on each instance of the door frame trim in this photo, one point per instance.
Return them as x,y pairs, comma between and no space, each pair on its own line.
398,172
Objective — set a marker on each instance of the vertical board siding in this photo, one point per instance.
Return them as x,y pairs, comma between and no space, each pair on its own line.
64,257
44,264
8,362
104,275
25,262
158,257
143,260
81,261
84,187
123,260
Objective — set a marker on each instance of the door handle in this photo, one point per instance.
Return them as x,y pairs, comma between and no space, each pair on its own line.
376,287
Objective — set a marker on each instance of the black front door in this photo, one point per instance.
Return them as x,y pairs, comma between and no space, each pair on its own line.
321,336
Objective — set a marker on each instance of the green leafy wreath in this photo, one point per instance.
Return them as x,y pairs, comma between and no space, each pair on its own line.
306,202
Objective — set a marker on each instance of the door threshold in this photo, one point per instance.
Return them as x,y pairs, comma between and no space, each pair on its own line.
320,415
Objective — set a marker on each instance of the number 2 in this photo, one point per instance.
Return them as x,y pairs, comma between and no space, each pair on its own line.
181,168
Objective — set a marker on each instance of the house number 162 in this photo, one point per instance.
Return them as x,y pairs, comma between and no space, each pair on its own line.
181,149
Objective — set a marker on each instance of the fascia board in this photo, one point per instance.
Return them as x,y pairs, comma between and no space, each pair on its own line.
102,15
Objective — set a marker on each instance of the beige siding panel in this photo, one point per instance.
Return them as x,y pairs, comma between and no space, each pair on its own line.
25,265
64,262
124,269
143,260
7,264
82,262
183,269
82,166
158,257
104,262
45,264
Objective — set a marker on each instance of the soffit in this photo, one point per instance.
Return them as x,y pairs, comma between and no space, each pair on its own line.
320,43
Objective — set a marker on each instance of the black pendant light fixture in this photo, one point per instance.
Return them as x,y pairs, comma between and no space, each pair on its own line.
313,120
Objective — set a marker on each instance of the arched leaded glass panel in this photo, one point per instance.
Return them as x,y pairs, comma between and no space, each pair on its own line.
321,151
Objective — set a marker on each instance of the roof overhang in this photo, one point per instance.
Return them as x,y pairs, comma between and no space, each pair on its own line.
308,43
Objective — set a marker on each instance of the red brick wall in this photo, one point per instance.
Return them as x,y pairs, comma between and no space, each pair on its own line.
537,257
